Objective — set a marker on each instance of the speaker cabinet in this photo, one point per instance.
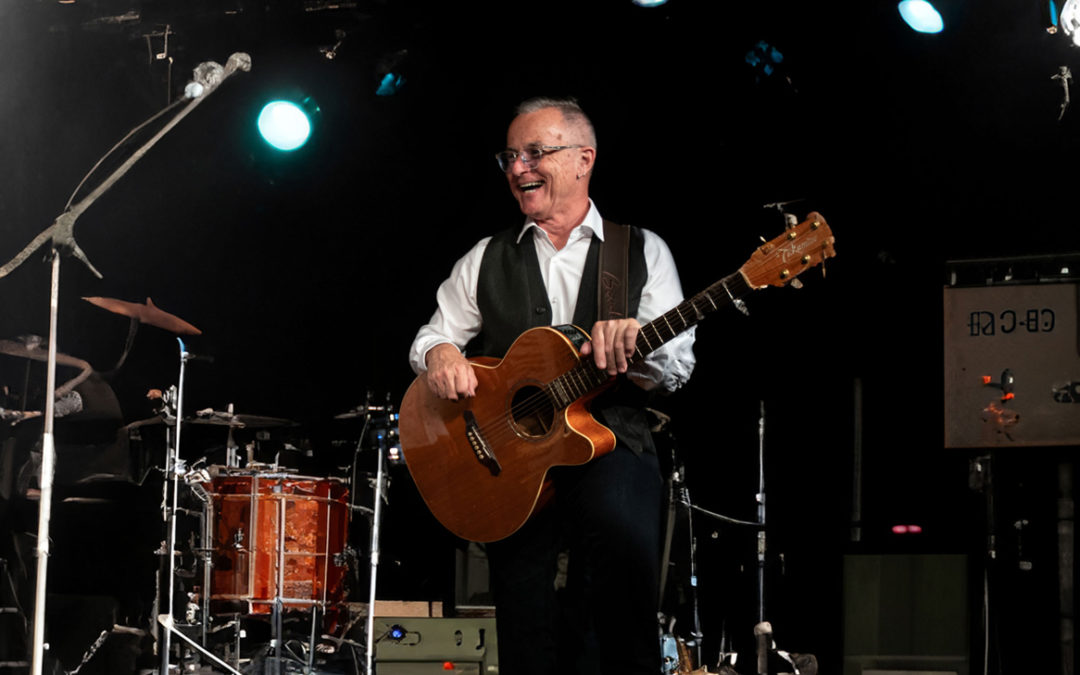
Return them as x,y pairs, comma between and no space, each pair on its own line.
905,614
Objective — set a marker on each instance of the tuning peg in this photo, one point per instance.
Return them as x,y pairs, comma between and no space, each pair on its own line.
795,283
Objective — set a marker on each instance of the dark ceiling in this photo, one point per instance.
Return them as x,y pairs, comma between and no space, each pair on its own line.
309,273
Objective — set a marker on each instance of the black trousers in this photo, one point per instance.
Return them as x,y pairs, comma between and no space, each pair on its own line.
606,519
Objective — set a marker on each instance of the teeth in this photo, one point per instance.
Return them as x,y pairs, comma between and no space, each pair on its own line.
527,187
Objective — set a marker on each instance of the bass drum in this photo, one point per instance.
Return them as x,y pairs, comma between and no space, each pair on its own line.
277,536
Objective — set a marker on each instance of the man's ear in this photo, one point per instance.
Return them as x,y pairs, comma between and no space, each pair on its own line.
586,158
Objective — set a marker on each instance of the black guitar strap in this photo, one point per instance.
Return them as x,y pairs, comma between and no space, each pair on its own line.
611,288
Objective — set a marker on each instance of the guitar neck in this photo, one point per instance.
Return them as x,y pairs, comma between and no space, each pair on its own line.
689,312
586,377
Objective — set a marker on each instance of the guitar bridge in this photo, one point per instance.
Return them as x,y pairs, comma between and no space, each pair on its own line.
483,452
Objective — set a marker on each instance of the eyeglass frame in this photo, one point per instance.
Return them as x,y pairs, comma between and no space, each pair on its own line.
541,150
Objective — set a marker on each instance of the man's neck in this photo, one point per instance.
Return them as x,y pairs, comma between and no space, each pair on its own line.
558,228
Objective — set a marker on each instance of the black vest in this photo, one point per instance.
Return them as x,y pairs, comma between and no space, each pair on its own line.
512,298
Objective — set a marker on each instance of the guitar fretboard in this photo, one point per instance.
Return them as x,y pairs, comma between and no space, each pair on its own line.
586,377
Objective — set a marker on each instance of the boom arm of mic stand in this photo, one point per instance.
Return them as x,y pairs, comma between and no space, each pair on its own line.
62,231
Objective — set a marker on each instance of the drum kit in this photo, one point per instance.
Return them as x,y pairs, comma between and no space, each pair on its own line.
256,561
270,554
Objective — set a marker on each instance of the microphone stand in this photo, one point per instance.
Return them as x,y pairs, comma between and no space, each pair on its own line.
380,494
762,631
61,235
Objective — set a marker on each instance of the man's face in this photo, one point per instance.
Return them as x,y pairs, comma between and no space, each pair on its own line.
552,188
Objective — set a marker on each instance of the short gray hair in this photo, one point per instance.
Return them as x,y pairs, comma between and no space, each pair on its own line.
570,109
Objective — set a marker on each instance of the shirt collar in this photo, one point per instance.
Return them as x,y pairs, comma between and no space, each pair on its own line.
592,221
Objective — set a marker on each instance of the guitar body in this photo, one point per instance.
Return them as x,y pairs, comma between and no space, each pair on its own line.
481,463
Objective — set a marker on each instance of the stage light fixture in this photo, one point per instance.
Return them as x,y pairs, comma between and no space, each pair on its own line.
921,16
1050,16
649,3
390,84
391,72
287,125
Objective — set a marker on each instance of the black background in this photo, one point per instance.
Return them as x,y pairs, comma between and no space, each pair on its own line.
309,272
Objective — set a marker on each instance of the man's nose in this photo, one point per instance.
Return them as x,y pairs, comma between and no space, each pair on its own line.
518,166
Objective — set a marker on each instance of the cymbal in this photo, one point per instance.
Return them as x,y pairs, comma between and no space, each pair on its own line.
221,419
363,411
146,313
226,419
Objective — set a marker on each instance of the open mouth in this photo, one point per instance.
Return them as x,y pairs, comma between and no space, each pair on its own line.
531,185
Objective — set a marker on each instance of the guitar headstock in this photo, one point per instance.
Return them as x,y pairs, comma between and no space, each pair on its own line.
779,261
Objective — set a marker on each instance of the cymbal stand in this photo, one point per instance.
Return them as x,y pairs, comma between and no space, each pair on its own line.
174,469
172,475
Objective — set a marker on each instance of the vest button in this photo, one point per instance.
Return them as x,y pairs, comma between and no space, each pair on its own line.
541,310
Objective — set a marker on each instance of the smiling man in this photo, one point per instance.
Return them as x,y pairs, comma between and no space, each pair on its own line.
606,514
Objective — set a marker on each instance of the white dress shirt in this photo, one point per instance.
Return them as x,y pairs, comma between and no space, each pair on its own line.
457,318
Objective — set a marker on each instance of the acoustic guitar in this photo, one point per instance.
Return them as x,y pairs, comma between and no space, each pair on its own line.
481,463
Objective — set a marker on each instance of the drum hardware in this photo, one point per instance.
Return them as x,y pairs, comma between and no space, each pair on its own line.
273,542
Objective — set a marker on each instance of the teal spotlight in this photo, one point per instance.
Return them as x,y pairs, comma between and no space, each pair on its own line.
286,125
921,16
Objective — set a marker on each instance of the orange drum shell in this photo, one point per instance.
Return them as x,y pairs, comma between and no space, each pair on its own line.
276,532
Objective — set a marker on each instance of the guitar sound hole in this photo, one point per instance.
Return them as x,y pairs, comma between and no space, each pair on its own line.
532,411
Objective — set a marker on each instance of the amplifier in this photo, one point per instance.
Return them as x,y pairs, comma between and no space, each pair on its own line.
426,646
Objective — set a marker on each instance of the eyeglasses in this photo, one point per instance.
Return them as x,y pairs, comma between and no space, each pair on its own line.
530,155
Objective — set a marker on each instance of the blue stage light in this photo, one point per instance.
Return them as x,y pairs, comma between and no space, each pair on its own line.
921,16
285,125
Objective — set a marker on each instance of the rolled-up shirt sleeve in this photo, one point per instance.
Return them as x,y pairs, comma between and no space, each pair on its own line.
670,366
